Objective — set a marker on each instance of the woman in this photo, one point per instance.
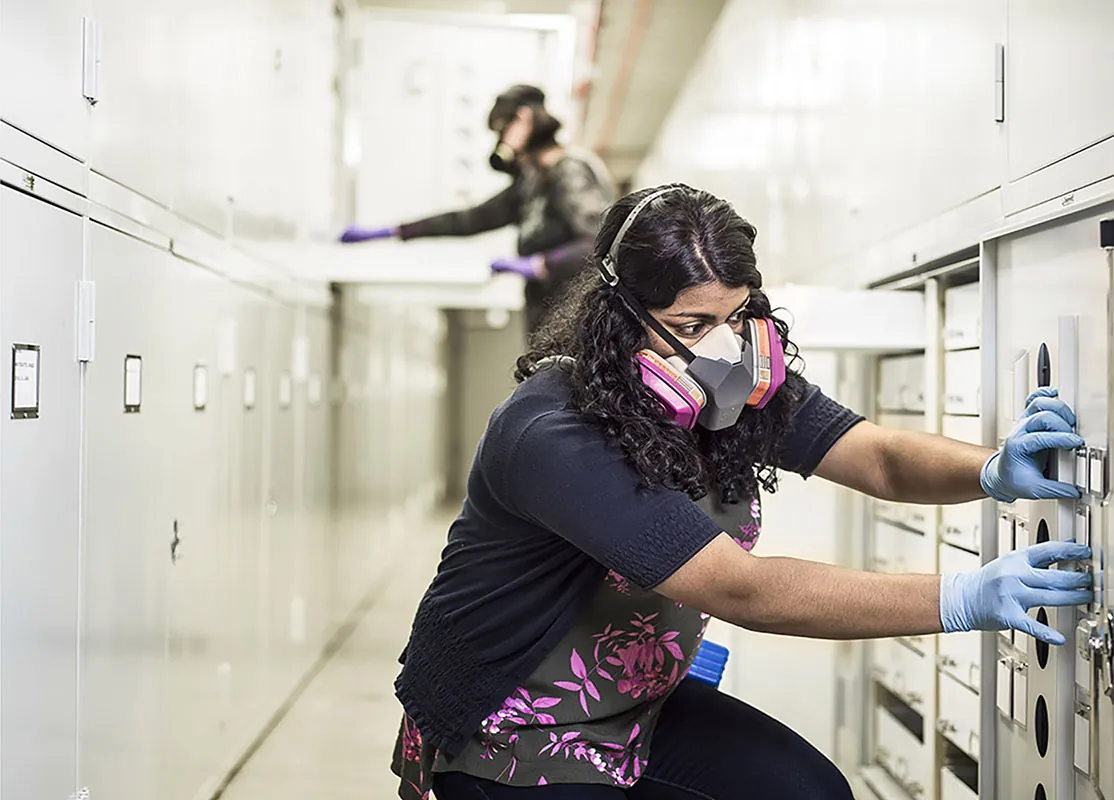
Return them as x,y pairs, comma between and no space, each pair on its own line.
556,198
546,658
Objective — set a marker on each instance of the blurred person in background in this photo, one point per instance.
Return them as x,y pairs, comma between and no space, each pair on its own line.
556,198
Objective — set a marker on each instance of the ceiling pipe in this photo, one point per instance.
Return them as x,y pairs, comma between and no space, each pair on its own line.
623,75
585,89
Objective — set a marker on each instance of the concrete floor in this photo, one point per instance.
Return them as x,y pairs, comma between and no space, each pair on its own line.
335,742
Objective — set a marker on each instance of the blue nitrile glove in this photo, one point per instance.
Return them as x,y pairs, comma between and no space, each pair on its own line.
996,597
356,233
1016,470
529,267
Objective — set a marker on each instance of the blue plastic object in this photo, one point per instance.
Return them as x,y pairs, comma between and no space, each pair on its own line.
708,666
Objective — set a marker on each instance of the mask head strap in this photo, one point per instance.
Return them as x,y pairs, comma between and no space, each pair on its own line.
609,270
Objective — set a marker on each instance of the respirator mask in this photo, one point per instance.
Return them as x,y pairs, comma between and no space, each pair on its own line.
504,158
712,381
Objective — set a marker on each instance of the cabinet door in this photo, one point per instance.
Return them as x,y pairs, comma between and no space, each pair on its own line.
136,128
128,528
41,43
40,262
1059,61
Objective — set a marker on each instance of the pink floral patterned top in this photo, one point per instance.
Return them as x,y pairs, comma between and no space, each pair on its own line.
587,714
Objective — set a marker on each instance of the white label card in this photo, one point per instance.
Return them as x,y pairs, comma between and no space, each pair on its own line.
133,383
286,390
25,381
1005,687
200,387
249,388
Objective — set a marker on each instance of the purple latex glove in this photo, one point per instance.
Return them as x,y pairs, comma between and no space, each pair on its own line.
531,268
356,233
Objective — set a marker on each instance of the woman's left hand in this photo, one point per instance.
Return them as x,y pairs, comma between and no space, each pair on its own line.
1016,471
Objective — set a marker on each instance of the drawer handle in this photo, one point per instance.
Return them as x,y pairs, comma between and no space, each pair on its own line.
913,699
901,769
945,726
882,756
913,788
946,661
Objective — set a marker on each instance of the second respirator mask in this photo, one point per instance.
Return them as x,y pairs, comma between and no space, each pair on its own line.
713,381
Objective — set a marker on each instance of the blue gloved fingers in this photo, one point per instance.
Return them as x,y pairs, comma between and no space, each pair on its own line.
1045,420
1062,579
1028,625
1043,391
1045,489
1053,405
1028,444
1046,553
1051,598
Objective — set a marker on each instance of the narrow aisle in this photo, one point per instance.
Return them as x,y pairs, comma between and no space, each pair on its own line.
336,741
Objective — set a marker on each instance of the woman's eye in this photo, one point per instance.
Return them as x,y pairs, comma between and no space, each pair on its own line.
688,331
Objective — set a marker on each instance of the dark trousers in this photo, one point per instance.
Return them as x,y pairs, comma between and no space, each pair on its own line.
707,746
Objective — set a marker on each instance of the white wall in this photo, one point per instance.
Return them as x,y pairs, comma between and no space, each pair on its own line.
857,136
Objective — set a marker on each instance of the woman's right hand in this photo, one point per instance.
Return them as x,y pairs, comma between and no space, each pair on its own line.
997,596
356,233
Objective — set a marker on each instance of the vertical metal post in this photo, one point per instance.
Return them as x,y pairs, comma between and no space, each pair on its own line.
1063,748
988,711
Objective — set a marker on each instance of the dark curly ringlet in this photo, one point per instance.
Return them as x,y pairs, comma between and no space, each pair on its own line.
682,239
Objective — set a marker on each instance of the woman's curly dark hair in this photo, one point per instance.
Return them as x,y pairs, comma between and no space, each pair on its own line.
682,239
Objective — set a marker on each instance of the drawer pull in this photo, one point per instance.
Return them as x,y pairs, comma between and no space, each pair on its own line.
946,726
946,661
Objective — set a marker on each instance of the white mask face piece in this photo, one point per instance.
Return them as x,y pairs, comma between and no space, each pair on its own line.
720,343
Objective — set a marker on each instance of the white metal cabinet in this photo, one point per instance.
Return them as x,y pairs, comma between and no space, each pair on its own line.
40,263
961,525
961,382
901,753
963,429
904,671
126,684
1058,67
962,317
437,82
897,549
197,550
901,383
959,654
136,126
41,53
959,715
952,788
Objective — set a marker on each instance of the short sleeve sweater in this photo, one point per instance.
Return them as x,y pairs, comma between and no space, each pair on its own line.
552,505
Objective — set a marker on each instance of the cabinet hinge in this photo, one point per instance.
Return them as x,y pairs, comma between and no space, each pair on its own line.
86,320
91,60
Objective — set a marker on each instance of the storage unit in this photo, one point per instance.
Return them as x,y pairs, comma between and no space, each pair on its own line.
936,679
901,383
962,317
961,382
40,490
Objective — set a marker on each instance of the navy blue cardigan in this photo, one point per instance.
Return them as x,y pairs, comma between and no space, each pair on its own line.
551,506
